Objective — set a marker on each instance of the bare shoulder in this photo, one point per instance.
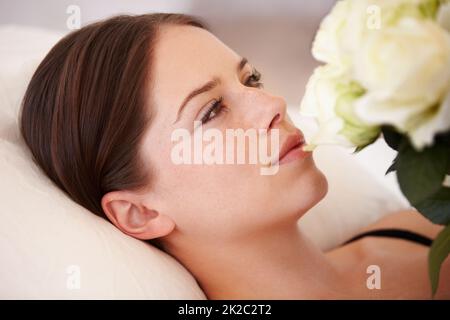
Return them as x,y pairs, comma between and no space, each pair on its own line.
403,265
407,219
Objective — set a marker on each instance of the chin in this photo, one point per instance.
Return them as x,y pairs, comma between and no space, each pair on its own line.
322,186
314,188
294,192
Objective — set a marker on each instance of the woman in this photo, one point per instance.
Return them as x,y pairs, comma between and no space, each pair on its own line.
99,115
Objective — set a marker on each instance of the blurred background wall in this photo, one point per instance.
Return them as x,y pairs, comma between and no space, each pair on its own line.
275,35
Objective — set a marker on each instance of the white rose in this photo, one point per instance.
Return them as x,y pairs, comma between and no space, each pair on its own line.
406,72
326,46
329,98
343,30
401,61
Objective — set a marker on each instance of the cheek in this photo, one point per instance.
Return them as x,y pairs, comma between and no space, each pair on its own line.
216,201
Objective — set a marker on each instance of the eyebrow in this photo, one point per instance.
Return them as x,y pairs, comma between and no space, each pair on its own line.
207,87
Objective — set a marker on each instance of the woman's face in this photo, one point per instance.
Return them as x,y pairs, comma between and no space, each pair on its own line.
218,201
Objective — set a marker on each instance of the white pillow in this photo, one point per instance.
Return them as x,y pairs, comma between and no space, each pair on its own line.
48,242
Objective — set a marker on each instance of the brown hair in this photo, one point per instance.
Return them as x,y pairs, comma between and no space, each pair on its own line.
85,110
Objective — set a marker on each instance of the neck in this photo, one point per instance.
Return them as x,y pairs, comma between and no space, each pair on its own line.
280,264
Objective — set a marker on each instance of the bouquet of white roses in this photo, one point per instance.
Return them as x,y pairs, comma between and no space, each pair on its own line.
386,73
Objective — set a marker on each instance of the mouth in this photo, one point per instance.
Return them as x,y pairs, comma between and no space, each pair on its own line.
292,148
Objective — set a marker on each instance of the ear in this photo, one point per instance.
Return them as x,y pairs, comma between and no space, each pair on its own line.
127,213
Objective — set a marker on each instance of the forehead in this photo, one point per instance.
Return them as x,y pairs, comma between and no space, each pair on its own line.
186,57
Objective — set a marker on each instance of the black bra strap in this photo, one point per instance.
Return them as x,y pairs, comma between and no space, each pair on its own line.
394,233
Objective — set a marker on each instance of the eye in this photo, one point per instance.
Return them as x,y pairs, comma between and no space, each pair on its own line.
254,80
213,111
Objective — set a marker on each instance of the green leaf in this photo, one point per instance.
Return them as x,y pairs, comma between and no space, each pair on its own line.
439,251
420,173
392,137
437,207
443,138
391,168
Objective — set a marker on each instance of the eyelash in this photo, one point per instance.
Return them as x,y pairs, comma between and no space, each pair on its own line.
252,81
216,107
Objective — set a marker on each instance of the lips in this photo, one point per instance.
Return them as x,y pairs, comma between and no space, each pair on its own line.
291,149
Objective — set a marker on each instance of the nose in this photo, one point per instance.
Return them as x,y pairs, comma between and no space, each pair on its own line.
262,110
